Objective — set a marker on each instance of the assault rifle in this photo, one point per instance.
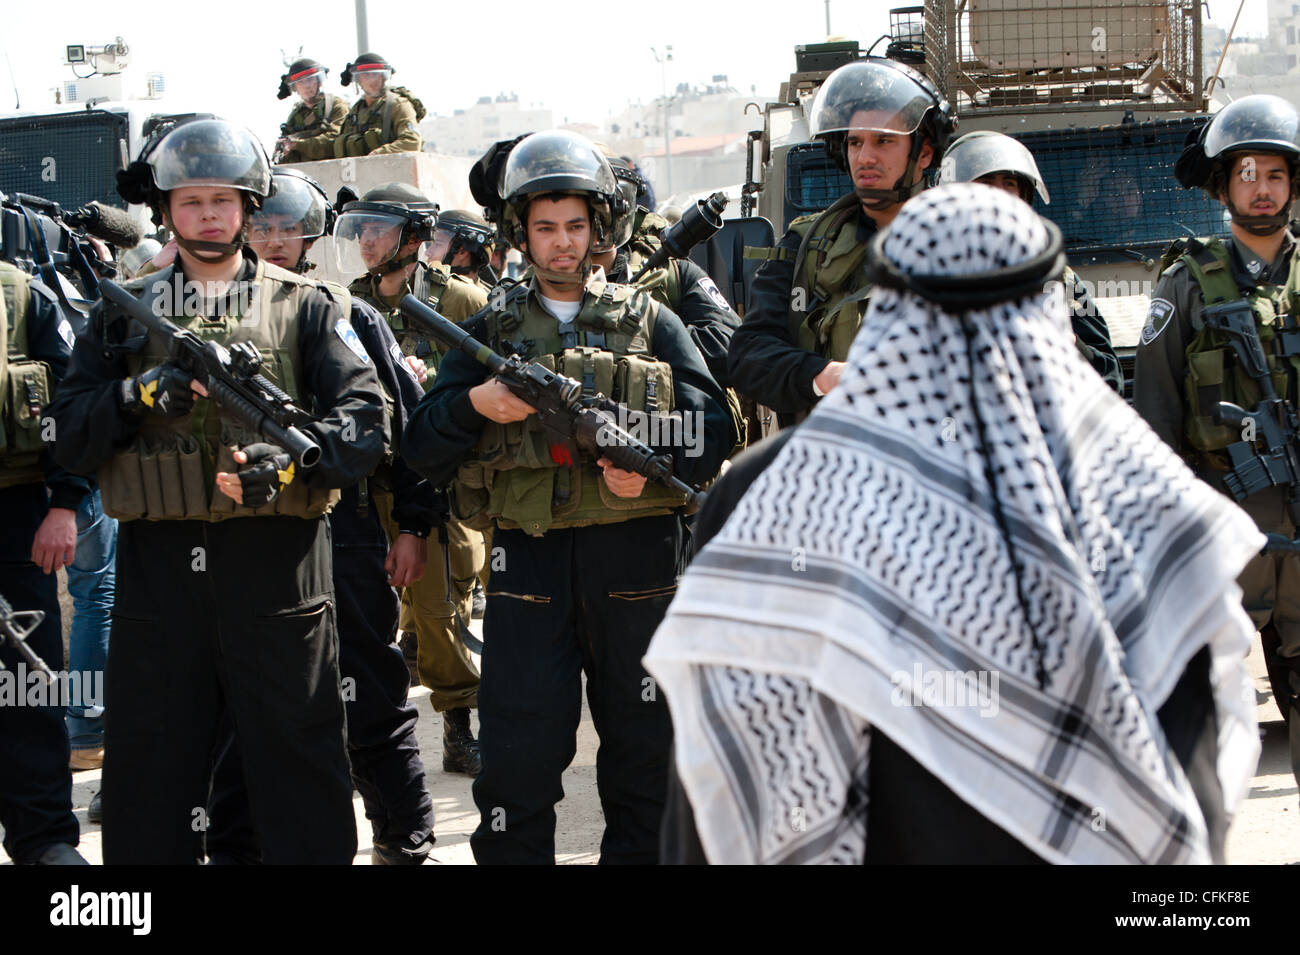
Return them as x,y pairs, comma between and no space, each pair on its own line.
1273,458
15,626
572,420
230,377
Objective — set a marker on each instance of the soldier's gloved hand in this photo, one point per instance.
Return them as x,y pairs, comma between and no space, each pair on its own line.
165,391
264,471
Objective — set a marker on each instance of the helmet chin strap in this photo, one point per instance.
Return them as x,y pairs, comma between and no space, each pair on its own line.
395,265
1259,225
903,190
564,280
213,252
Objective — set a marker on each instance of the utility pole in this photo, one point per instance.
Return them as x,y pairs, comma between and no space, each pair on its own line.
828,18
363,38
663,82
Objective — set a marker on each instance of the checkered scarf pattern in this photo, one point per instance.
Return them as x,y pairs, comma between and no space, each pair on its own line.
976,546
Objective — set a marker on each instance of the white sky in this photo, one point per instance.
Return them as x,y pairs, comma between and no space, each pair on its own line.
583,59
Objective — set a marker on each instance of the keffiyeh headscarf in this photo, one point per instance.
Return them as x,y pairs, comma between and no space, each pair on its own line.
974,545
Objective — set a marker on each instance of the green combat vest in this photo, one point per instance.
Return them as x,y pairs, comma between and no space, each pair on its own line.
428,283
24,386
827,299
367,127
306,122
169,472
1213,372
512,475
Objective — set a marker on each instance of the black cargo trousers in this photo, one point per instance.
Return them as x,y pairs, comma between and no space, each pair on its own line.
385,756
236,615
575,600
35,784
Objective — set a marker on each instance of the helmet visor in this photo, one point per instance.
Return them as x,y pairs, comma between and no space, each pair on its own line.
868,97
295,204
1264,122
364,241
555,161
973,157
308,84
211,152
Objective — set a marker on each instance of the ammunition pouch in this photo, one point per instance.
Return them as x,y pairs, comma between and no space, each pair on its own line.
515,478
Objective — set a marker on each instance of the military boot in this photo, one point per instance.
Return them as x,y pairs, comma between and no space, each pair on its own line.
405,854
459,747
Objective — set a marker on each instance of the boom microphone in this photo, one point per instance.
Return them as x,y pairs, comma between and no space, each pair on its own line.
106,222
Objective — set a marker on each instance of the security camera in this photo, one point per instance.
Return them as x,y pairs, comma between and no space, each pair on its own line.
76,54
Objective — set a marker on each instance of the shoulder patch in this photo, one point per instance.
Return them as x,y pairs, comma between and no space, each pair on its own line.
349,336
66,333
1158,316
400,361
714,293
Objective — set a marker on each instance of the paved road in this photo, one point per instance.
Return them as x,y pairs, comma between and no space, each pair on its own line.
1267,829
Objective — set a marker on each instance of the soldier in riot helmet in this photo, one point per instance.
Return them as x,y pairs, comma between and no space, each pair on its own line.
224,594
1246,158
885,125
384,119
382,235
382,749
1002,162
590,553
463,242
315,120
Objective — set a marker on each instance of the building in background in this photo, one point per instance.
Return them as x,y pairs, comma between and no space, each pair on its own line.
469,132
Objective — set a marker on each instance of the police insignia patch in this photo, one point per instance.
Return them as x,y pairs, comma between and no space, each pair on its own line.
349,336
66,333
714,292
396,351
1157,318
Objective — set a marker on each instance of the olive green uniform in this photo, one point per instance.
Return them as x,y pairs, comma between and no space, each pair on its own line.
443,663
314,128
1183,371
386,126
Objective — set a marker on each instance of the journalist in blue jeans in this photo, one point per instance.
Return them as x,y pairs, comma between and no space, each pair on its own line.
90,582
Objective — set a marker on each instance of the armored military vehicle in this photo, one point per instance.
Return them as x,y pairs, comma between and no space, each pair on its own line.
1102,92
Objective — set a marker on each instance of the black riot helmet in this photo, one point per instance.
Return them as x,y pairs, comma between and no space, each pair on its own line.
1260,124
299,207
371,231
199,152
461,230
367,64
300,70
984,153
880,94
559,163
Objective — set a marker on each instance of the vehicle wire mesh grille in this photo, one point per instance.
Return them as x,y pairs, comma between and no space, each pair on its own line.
70,159
812,181
1114,189
1008,54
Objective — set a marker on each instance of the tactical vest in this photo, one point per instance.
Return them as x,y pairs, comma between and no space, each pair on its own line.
306,118
829,294
428,283
1213,372
169,472
513,476
367,127
24,386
